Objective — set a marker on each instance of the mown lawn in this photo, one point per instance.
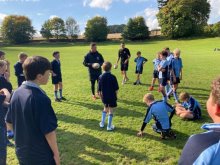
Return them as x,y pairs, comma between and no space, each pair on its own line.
80,139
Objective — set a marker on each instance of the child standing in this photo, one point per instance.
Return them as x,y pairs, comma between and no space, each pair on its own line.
108,87
156,62
57,77
7,72
140,61
18,68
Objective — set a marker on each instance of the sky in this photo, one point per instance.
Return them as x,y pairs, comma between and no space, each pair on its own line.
116,11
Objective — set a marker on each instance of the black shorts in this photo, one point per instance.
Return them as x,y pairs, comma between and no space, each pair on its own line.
155,74
56,79
110,104
177,81
163,81
140,71
124,67
94,77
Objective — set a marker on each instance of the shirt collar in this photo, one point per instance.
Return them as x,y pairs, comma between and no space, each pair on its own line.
33,85
212,127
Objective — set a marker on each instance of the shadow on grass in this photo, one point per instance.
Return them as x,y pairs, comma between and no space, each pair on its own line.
134,103
192,88
85,149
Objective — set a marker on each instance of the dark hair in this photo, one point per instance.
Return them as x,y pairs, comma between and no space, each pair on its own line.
139,52
164,53
2,53
106,66
35,65
166,48
92,44
55,53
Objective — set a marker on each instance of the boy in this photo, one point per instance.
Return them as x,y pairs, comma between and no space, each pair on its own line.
176,74
108,88
18,68
204,148
7,73
32,117
189,109
57,77
140,61
4,101
159,111
90,59
163,74
156,62
124,55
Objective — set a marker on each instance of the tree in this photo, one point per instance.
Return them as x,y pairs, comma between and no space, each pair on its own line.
58,28
17,29
162,3
183,18
216,29
72,28
136,29
46,30
96,29
116,28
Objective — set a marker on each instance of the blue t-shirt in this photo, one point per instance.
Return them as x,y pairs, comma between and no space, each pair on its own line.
164,65
139,62
156,62
159,111
193,106
177,65
32,116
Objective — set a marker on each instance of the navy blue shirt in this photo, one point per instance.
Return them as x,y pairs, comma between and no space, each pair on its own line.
108,86
56,66
18,69
193,106
32,116
163,73
5,84
124,54
2,111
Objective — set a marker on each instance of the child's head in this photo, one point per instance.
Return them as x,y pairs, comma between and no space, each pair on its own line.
93,47
107,66
158,55
138,53
148,99
56,55
3,66
167,49
22,57
122,45
37,69
2,55
184,96
213,103
176,53
164,54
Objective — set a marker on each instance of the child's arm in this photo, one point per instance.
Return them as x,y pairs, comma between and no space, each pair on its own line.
118,57
181,74
147,119
52,141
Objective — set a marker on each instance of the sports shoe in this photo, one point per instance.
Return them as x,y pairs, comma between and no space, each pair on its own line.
151,88
10,134
127,79
102,125
135,83
94,97
58,100
111,128
63,98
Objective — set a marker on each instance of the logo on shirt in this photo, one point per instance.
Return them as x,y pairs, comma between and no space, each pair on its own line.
97,58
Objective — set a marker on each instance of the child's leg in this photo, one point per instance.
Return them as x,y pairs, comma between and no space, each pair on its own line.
3,145
93,87
61,89
179,110
110,117
175,86
104,112
162,89
153,82
186,115
55,91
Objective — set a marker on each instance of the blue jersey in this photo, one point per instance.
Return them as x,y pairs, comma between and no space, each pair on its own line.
159,111
169,58
156,62
177,66
193,106
164,65
203,149
139,62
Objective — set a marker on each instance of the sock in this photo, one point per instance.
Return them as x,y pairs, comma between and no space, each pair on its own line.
165,98
103,117
55,94
61,94
175,96
171,90
110,116
167,88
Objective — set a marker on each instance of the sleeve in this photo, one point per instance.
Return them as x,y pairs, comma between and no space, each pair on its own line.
99,84
119,55
16,70
192,105
135,60
128,51
101,60
8,116
86,62
181,63
52,66
148,115
145,60
116,84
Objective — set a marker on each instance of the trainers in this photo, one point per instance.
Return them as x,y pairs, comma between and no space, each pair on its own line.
58,100
10,134
151,88
102,125
63,98
135,83
111,128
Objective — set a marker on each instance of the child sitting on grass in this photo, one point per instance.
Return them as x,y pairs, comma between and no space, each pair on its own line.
159,111
107,88
189,109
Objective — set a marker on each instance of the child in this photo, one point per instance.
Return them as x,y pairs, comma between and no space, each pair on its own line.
4,101
204,148
108,88
189,109
32,117
7,73
18,68
159,111
163,74
156,62
57,77
140,61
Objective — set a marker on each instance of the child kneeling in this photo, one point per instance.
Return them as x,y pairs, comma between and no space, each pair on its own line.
107,88
159,111
189,109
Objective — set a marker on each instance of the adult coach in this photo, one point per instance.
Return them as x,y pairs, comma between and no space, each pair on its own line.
90,61
124,55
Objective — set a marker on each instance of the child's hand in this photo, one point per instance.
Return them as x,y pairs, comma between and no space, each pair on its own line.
6,93
140,134
57,159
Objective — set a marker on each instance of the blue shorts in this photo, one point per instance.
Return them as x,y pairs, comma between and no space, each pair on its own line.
56,79
163,81
140,71
155,74
124,67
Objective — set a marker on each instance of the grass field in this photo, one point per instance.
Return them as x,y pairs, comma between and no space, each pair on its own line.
80,139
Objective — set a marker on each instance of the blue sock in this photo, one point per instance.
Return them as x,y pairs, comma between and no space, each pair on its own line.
55,94
103,117
167,87
165,98
110,116
175,96
171,90
61,95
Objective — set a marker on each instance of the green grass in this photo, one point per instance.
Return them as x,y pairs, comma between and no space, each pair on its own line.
80,139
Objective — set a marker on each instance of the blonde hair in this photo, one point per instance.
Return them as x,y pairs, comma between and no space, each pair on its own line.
184,95
2,63
148,97
177,51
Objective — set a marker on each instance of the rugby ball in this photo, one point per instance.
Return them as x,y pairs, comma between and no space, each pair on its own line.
115,66
96,65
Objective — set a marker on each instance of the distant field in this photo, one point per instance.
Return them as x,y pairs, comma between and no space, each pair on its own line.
80,139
